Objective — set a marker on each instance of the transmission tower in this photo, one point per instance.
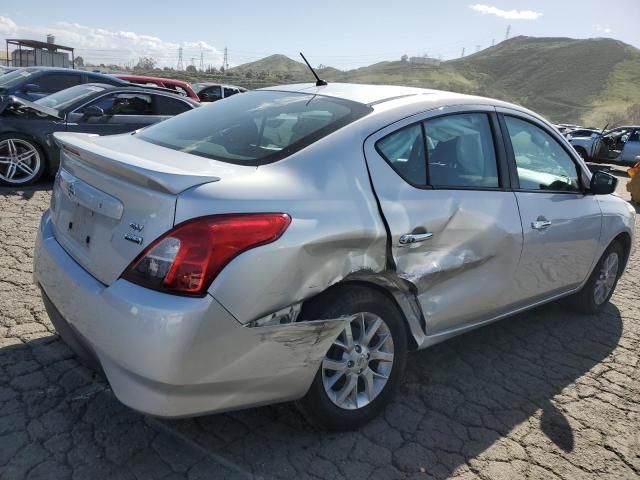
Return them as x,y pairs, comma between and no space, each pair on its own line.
201,62
225,62
506,37
180,65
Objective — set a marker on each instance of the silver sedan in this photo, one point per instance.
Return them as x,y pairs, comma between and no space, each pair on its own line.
294,243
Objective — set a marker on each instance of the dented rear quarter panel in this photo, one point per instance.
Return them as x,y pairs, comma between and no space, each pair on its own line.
336,228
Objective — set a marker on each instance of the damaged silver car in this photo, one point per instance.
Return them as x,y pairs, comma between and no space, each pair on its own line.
294,243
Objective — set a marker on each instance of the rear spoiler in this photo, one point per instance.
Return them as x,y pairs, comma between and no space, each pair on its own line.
83,147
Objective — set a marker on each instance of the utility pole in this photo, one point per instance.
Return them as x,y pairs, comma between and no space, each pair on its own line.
180,66
225,62
506,37
493,42
201,62
462,54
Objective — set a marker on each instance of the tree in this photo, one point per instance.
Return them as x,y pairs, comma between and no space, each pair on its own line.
145,63
78,62
191,69
404,58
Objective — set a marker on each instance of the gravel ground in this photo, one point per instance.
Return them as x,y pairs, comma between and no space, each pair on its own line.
546,394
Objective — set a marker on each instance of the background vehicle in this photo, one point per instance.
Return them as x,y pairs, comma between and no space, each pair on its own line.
178,86
620,145
360,221
26,147
32,83
581,132
211,92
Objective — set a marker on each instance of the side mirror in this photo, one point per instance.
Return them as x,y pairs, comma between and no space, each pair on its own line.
93,111
31,87
602,183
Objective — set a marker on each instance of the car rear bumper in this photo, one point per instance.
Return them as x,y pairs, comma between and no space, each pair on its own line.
174,356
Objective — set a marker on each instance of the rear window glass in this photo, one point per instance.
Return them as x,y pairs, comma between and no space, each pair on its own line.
255,128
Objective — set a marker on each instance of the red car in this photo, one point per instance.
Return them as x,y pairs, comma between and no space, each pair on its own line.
180,86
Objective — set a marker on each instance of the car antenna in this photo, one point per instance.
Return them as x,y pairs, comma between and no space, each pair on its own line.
319,81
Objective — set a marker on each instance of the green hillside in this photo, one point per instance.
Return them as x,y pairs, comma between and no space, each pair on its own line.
593,82
559,77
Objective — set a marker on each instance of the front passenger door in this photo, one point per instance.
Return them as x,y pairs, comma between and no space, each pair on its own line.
561,223
123,112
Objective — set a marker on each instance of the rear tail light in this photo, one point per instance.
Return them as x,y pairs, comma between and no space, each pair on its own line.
187,259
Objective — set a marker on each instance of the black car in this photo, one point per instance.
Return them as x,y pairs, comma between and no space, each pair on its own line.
33,83
27,148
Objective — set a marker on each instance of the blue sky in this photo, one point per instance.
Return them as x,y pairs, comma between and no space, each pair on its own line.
344,34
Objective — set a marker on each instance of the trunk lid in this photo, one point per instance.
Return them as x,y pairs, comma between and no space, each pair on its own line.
114,195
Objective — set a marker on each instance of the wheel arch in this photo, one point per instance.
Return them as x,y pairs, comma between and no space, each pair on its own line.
624,238
395,291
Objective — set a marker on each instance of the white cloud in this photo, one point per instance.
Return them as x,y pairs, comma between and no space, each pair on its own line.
601,29
97,45
509,14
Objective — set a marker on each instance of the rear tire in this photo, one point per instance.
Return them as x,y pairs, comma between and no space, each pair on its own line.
602,282
350,387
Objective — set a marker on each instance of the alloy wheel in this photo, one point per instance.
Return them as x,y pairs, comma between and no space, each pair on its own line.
358,364
607,278
19,161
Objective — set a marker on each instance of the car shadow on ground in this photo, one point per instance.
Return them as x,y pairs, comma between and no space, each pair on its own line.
28,191
458,399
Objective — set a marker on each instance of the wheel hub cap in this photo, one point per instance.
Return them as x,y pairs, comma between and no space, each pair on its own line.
607,278
357,366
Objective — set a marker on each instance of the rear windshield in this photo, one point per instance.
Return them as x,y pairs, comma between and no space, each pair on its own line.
255,128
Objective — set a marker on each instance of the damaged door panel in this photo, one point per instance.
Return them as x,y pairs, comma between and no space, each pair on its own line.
459,247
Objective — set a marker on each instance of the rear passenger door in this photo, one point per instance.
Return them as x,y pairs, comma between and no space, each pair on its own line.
560,221
441,179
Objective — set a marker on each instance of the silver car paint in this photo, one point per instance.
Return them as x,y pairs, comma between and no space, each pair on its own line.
175,356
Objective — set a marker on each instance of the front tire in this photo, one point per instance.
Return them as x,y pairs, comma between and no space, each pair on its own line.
602,282
364,365
22,161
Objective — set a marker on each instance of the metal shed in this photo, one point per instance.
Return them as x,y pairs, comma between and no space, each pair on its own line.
38,53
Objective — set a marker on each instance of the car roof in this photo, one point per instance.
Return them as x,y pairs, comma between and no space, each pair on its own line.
125,76
367,94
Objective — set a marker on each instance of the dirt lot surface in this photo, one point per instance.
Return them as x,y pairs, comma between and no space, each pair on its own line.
546,394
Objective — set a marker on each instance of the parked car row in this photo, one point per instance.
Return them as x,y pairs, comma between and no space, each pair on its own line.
36,102
295,242
620,145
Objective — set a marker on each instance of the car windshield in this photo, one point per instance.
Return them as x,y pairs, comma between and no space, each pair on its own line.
62,99
255,128
11,79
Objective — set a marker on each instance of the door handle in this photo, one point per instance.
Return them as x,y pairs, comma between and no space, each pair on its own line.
541,224
409,238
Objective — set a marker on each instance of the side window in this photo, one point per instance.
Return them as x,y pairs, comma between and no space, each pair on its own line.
229,91
404,151
541,162
125,104
460,151
211,93
55,82
168,106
